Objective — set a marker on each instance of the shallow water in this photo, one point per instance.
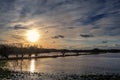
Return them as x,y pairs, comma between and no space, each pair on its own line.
101,63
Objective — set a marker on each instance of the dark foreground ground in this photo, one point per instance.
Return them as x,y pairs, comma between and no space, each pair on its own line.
12,75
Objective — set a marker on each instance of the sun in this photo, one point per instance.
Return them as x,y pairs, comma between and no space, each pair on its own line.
33,35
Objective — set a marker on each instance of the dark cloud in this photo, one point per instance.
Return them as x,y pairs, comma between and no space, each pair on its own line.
86,35
19,26
104,41
58,36
70,27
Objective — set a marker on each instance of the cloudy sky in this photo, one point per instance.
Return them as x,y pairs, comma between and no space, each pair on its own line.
62,23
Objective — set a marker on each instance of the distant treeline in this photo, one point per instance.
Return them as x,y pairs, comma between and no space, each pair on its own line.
6,50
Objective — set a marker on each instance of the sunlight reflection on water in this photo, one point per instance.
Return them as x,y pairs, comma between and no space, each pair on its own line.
32,65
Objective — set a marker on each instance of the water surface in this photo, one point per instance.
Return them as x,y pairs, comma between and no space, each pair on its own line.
101,63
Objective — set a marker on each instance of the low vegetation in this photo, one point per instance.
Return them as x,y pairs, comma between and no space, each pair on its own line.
6,50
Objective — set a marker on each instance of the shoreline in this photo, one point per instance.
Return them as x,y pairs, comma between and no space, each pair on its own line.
53,56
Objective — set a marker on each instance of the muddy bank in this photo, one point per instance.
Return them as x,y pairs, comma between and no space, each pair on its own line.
6,74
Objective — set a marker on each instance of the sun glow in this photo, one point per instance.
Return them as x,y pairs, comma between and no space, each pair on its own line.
33,35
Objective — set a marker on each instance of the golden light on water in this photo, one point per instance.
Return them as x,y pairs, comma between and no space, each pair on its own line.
32,65
33,35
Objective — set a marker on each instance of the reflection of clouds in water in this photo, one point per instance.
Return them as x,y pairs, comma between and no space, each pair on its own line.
32,65
80,64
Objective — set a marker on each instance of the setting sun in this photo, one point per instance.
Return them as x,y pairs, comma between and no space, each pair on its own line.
33,35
